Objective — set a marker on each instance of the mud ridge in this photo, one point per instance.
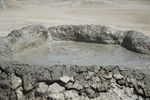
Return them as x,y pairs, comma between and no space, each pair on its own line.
35,35
131,40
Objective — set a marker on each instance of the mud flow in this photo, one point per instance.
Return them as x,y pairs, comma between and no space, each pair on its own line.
69,52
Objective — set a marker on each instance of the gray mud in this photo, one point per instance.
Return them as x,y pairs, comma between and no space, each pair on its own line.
74,62
80,53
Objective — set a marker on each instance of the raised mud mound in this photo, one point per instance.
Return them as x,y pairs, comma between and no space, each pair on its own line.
72,82
24,38
132,40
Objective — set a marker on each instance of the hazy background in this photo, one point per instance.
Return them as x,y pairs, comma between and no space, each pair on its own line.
120,14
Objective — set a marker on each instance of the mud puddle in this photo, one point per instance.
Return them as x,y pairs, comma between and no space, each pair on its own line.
65,52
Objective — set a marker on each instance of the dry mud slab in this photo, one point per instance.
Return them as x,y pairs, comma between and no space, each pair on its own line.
21,80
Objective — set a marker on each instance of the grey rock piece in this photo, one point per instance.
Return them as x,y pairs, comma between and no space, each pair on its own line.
71,95
42,88
118,76
66,79
19,94
16,81
137,41
55,88
56,96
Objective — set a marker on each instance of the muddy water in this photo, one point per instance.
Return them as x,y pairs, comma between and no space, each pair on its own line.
61,52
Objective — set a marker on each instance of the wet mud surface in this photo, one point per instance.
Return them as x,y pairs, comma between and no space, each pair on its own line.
80,53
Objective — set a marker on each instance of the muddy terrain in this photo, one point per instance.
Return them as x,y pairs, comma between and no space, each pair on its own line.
75,62
74,50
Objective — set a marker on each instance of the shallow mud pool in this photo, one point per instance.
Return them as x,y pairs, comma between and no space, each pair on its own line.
68,52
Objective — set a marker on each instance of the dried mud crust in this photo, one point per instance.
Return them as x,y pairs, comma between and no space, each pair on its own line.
72,82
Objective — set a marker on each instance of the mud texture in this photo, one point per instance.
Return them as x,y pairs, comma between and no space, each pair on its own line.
72,82
132,40
20,39
35,34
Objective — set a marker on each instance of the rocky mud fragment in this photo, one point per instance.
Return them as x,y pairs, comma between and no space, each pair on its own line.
136,41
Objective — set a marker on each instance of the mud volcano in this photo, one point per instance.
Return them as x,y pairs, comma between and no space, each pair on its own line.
74,62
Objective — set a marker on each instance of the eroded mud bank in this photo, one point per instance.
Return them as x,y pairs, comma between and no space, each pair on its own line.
62,82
